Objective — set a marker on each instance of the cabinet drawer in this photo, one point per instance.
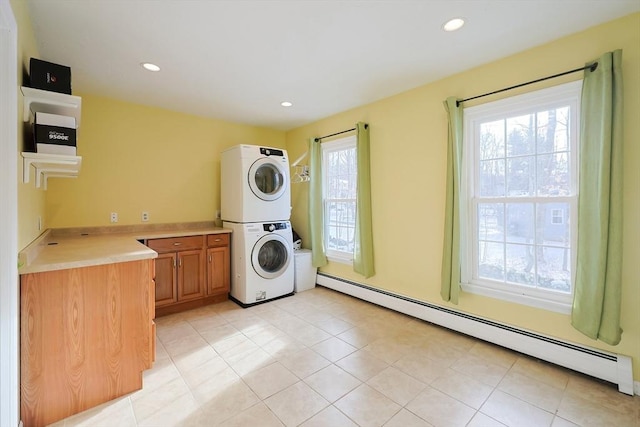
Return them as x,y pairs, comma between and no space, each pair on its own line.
174,244
221,239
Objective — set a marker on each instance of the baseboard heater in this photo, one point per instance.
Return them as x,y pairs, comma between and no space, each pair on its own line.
615,368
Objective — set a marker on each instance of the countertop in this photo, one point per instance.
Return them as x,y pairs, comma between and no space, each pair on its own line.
59,249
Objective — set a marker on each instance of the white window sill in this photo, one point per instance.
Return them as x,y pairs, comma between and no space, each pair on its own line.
341,260
519,298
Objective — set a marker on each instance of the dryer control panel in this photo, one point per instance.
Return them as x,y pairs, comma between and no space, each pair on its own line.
275,226
271,152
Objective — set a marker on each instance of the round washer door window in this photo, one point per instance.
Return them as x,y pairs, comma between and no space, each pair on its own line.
267,179
271,256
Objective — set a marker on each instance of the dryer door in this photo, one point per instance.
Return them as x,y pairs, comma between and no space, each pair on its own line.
267,179
271,256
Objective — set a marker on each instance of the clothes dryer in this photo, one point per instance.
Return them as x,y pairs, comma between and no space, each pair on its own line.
255,184
262,266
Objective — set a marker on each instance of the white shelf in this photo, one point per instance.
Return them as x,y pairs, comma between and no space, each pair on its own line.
49,166
50,102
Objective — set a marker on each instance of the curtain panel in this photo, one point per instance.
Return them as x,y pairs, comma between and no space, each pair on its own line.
363,252
316,208
450,286
598,287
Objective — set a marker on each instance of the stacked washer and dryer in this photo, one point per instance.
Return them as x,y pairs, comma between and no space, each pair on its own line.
256,206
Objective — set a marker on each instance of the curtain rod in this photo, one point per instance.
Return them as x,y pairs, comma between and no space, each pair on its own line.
338,133
590,67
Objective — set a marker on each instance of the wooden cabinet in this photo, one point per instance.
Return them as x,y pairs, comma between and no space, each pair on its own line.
86,335
218,264
191,271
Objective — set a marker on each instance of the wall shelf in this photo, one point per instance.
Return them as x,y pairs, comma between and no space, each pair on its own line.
50,102
49,166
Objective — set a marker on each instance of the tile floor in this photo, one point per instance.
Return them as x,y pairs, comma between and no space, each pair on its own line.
320,358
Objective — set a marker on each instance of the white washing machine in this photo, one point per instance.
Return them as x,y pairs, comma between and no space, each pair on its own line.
255,184
262,265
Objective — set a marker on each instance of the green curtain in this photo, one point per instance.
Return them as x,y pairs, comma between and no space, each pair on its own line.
596,303
450,286
363,252
316,209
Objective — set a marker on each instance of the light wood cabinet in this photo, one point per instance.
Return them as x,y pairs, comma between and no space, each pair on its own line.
191,271
218,264
86,335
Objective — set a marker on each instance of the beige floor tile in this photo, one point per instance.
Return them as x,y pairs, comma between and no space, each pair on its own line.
329,417
587,413
421,367
358,336
116,412
332,325
332,382
388,349
296,404
204,324
561,422
186,361
215,386
362,365
231,399
495,354
304,362
282,346
202,373
440,352
542,371
602,393
181,411
161,397
462,387
161,352
480,369
234,346
218,335
264,334
309,335
512,411
531,390
367,407
257,415
405,418
270,379
172,330
251,361
333,349
482,420
460,342
396,385
439,409
187,344
162,372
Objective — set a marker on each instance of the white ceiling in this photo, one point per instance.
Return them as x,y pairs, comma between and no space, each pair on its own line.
237,60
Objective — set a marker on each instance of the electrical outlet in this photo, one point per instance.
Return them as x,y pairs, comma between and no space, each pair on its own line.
114,216
145,216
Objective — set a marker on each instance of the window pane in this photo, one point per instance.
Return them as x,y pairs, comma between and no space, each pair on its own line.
520,135
491,221
553,174
521,264
492,178
553,131
521,176
491,260
340,219
492,140
554,268
520,223
553,227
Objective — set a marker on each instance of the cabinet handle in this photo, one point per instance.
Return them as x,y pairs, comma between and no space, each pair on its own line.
218,240
180,265
177,243
209,257
174,263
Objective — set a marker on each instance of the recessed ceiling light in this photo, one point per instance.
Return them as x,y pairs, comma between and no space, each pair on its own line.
149,66
453,24
286,104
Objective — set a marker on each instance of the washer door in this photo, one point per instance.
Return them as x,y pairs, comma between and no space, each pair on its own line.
267,179
270,256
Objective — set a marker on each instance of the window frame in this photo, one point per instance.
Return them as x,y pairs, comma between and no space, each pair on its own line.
527,103
339,144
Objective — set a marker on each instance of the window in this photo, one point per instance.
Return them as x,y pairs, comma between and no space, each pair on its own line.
339,173
521,189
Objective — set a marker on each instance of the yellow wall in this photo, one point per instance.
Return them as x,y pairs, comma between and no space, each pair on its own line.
408,162
30,200
137,158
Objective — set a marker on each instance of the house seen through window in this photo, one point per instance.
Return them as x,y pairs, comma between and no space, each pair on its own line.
339,173
521,166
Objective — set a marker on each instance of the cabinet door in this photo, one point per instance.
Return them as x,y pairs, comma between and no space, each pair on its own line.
190,275
166,279
218,270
